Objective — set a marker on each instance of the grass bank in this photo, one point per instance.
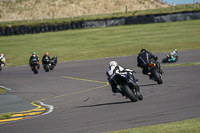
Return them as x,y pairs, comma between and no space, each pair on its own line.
2,90
175,65
185,126
31,13
6,115
183,64
36,9
102,42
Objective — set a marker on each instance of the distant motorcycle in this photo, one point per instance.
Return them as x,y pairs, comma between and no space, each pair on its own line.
53,62
155,75
166,59
1,64
129,86
35,65
50,64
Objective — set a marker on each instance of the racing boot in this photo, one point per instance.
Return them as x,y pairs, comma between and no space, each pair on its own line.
150,76
117,90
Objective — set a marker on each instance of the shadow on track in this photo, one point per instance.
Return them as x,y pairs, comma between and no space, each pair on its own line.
148,85
104,104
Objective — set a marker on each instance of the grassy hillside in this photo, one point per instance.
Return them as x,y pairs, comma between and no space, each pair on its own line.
102,42
38,9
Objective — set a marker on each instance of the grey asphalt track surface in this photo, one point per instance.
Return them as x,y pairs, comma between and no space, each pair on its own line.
84,106
13,103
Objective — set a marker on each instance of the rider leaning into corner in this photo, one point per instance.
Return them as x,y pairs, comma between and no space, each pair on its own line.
2,61
173,54
115,68
34,57
144,58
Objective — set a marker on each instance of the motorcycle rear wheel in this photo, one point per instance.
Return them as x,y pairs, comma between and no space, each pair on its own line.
35,69
130,94
140,97
164,60
52,67
46,68
157,76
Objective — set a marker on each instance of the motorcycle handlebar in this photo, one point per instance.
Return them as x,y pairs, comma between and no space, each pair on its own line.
133,71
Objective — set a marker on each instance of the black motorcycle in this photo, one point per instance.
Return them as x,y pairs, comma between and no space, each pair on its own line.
50,64
129,86
35,65
156,74
166,59
53,62
0,66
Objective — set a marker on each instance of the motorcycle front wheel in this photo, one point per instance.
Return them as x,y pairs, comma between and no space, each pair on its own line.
139,95
176,59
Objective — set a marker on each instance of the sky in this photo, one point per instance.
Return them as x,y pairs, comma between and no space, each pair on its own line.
180,1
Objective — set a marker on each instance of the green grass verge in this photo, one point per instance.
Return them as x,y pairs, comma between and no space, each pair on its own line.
185,126
182,64
102,42
174,65
2,90
6,115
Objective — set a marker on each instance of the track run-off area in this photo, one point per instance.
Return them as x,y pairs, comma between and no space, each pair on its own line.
77,98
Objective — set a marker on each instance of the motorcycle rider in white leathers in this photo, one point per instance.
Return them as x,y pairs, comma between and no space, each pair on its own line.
115,68
2,60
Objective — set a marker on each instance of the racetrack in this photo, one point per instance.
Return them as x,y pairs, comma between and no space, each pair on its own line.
84,103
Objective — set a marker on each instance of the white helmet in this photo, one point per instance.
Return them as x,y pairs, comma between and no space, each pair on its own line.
1,56
112,63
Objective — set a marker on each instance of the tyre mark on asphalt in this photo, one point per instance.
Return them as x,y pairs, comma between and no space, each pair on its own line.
39,110
106,84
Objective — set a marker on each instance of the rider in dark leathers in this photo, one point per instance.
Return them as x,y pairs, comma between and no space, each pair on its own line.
46,58
34,57
144,58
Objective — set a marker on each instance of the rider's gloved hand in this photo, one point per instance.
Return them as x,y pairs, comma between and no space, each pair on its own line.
156,59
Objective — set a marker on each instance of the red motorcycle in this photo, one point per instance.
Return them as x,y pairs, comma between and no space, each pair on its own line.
156,74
